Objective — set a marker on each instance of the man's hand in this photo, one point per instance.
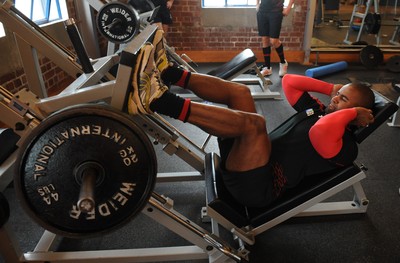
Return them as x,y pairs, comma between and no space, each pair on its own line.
169,3
286,11
364,117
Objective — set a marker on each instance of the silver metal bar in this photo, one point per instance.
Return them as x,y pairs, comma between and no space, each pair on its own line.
311,7
182,135
395,118
310,203
88,29
30,62
46,243
157,254
7,170
187,229
97,92
96,4
170,140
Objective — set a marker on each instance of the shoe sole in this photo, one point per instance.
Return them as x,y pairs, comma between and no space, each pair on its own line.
158,43
144,55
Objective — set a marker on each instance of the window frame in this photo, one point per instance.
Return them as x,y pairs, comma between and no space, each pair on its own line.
226,5
46,5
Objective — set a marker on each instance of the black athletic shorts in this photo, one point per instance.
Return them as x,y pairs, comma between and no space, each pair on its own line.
269,24
164,14
253,188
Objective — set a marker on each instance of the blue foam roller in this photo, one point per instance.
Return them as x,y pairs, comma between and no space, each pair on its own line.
326,69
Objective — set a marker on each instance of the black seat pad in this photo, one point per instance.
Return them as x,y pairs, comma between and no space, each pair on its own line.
236,65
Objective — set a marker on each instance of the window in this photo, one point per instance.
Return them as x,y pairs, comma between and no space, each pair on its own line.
2,32
229,3
232,3
43,11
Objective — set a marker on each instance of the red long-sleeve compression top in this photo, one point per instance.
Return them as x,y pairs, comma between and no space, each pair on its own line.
326,135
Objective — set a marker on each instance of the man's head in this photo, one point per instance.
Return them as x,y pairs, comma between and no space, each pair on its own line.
356,94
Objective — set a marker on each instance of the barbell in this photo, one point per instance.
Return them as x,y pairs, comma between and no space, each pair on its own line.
85,170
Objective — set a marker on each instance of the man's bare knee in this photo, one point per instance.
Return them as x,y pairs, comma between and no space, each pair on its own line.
241,90
256,123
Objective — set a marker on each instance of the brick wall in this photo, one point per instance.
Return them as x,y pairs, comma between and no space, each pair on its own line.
188,32
53,77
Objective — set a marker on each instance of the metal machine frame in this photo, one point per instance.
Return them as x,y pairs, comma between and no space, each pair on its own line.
313,207
89,88
395,118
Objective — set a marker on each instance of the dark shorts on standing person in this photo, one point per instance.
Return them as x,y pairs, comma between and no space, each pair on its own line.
269,24
164,14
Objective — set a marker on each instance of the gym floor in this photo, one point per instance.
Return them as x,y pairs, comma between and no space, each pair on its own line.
371,237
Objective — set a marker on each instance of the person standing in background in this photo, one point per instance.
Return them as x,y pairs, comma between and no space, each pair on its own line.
163,18
270,14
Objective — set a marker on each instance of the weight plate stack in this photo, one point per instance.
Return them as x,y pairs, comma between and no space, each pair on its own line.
85,170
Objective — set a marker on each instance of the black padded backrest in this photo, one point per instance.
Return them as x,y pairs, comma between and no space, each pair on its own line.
235,65
383,109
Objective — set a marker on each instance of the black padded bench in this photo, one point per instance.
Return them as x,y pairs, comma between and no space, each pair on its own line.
234,68
242,62
238,65
246,222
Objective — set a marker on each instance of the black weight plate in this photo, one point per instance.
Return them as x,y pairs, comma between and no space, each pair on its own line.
371,56
360,43
372,23
46,182
393,64
118,22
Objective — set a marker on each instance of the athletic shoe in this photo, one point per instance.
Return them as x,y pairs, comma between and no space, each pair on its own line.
266,71
145,81
160,55
283,69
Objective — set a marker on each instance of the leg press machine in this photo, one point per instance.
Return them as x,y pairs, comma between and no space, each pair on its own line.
25,110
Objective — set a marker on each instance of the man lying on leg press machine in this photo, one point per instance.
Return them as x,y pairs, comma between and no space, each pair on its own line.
258,166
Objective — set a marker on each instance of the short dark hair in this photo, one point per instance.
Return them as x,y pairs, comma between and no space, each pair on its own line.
367,99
